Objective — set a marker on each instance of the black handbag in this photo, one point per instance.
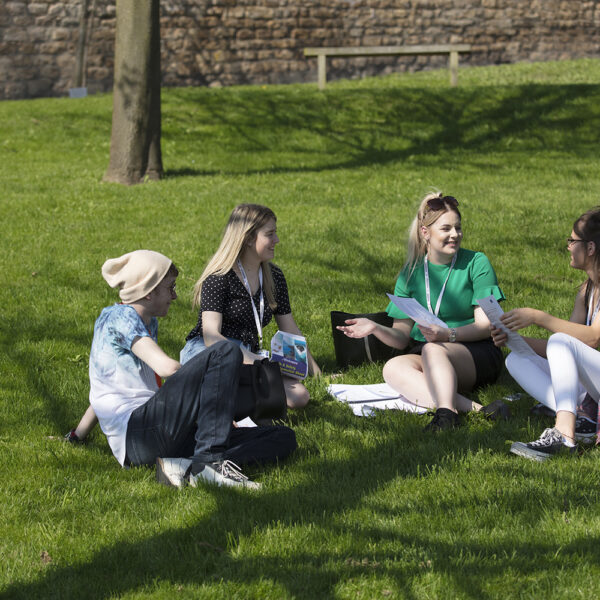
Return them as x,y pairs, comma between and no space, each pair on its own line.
352,351
261,394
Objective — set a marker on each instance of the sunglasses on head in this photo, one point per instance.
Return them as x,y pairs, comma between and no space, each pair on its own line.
441,202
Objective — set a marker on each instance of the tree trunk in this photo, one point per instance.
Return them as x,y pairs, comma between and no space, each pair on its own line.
135,154
79,79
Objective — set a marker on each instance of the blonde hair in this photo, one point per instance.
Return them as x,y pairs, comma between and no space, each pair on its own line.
242,227
426,216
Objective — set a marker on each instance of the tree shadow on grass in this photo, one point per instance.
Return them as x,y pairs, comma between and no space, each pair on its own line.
348,129
213,551
41,371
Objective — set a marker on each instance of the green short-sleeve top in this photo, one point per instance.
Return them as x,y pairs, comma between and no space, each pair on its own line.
472,278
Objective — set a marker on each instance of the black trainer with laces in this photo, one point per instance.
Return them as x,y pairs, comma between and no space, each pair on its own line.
443,419
539,410
496,410
585,430
549,444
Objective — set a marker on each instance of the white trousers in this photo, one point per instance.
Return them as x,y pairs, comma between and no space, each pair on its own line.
534,376
572,364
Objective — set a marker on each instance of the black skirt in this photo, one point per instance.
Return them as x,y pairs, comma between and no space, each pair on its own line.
487,357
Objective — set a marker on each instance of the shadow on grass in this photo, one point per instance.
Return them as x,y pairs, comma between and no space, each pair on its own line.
206,553
346,129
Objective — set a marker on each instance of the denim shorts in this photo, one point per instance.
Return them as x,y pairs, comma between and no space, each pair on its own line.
195,346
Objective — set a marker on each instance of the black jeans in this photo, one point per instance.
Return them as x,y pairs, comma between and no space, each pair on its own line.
192,415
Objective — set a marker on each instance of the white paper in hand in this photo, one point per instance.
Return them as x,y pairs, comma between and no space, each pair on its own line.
515,341
419,314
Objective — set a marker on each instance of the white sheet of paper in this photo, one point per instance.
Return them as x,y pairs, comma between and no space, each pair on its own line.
247,422
515,342
366,400
419,314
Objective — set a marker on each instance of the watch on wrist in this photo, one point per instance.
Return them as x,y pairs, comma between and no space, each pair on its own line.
452,335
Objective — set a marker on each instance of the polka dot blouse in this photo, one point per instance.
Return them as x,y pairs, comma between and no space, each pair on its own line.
227,295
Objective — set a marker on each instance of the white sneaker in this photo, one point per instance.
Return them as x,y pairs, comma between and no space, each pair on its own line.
223,473
172,471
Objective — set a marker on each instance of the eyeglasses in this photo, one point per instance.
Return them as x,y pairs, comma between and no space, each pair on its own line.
571,241
440,203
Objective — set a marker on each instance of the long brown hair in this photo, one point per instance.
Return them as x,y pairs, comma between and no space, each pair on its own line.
587,227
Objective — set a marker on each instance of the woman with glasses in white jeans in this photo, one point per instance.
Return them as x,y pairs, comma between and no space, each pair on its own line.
573,363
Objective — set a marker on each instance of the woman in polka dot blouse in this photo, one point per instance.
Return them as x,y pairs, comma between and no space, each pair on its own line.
239,269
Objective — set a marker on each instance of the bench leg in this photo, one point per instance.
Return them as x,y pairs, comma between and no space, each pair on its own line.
453,66
322,71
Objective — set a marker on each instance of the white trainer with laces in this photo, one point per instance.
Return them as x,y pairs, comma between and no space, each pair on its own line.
172,471
223,473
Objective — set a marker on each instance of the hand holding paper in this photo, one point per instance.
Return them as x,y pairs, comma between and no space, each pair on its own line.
419,314
514,340
519,318
434,333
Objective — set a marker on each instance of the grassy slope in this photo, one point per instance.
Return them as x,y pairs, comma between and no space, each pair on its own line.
367,508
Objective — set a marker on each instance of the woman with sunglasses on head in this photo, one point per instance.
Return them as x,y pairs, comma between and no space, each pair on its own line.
241,290
572,367
440,363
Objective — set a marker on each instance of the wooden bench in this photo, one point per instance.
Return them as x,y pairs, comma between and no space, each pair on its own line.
353,51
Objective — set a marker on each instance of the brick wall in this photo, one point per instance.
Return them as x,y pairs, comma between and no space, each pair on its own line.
226,42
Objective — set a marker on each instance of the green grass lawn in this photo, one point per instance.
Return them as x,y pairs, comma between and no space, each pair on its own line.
367,508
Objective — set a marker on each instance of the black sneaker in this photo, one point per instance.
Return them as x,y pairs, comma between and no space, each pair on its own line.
496,410
589,408
540,410
549,444
585,430
443,419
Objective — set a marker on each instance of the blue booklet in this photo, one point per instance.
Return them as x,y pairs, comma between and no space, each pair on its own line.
290,351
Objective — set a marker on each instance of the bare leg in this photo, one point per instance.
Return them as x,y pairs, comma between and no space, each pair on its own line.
448,368
296,394
87,423
432,379
565,423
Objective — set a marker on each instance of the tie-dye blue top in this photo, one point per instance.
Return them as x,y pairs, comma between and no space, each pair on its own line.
119,380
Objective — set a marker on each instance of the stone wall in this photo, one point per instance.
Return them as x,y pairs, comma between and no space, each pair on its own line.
226,42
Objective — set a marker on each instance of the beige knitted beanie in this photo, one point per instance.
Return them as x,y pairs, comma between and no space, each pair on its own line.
136,273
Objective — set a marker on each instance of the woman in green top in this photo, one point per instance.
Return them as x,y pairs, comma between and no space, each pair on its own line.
448,280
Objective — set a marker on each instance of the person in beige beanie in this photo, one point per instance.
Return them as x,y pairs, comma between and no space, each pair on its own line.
136,273
184,424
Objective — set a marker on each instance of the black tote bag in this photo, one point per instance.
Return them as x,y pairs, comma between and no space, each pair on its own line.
261,394
352,351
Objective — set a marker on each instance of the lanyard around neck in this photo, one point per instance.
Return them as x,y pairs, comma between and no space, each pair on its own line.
427,290
258,320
